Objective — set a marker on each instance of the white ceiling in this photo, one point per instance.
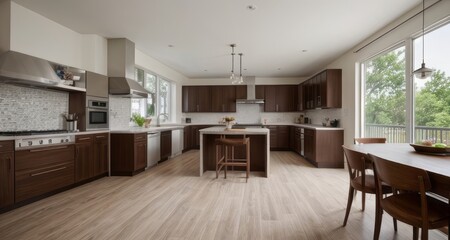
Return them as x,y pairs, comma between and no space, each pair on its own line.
271,37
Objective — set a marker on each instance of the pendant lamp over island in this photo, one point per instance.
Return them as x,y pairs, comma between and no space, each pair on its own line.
233,78
423,72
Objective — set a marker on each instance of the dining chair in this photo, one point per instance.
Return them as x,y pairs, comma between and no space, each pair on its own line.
357,164
409,203
368,140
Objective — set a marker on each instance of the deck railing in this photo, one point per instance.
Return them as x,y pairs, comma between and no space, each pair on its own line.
397,133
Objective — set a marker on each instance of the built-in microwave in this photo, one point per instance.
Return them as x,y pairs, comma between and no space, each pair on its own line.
97,113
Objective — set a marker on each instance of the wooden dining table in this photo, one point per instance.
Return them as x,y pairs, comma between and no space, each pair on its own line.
437,167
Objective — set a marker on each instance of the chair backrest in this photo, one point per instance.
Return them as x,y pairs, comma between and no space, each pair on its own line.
369,140
355,160
399,176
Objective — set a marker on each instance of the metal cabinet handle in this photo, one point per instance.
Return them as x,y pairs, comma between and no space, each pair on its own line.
9,163
48,149
85,138
277,108
101,136
48,171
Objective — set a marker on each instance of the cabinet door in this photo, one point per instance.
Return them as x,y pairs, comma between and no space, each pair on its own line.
300,98
217,99
140,155
259,92
229,98
270,99
322,92
185,99
292,142
187,138
6,178
84,165
166,144
203,99
283,137
309,144
100,154
273,136
284,98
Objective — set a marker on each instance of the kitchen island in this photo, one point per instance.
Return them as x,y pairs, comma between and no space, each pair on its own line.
259,147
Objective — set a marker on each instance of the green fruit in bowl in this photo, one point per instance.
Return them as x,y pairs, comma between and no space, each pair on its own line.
439,145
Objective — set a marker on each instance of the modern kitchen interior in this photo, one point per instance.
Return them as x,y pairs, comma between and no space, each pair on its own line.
222,120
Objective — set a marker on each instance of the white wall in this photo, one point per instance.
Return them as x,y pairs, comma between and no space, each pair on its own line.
38,36
349,62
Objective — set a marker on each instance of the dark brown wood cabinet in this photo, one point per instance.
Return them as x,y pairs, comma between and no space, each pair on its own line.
43,170
166,145
128,153
6,173
279,137
84,157
323,90
195,131
323,148
101,154
187,139
280,98
300,97
196,98
223,98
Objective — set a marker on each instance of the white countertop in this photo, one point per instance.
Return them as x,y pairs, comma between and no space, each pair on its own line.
146,130
7,138
223,131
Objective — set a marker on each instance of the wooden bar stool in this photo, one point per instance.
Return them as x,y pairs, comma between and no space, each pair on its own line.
225,148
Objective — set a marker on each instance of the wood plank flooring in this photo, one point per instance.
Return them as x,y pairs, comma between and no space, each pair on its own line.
170,201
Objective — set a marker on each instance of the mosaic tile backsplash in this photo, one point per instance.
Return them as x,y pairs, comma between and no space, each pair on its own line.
23,108
119,112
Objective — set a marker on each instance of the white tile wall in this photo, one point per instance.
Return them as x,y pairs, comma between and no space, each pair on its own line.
23,108
119,112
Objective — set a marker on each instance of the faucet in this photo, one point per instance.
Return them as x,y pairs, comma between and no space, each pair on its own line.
166,116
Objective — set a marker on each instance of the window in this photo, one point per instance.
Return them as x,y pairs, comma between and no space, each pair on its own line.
413,110
432,95
384,95
158,100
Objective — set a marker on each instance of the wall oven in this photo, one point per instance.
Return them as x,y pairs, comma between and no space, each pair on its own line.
97,111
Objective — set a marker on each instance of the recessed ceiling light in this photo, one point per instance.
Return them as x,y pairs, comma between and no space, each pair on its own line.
205,70
304,50
170,45
251,7
279,69
245,69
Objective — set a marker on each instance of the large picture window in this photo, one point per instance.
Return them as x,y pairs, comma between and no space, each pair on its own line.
158,100
384,95
386,110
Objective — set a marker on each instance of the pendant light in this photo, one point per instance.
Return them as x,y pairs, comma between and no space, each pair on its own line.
423,72
232,77
241,79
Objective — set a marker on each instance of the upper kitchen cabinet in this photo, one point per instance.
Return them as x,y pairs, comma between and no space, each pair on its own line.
223,98
323,90
280,98
196,98
96,85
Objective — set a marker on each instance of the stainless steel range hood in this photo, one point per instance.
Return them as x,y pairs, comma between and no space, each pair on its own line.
121,69
19,68
251,96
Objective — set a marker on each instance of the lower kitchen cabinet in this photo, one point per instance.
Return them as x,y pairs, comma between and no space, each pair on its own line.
43,170
101,154
84,157
91,156
128,153
6,173
166,145
279,137
323,148
187,139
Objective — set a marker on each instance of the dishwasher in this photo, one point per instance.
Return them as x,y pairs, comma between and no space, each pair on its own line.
153,148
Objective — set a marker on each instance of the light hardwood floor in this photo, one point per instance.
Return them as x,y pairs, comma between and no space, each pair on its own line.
170,201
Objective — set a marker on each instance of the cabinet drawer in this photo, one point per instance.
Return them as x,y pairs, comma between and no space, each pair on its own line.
34,182
101,137
28,160
140,137
6,146
84,138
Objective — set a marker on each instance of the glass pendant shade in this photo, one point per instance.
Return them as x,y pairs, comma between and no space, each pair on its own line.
423,72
